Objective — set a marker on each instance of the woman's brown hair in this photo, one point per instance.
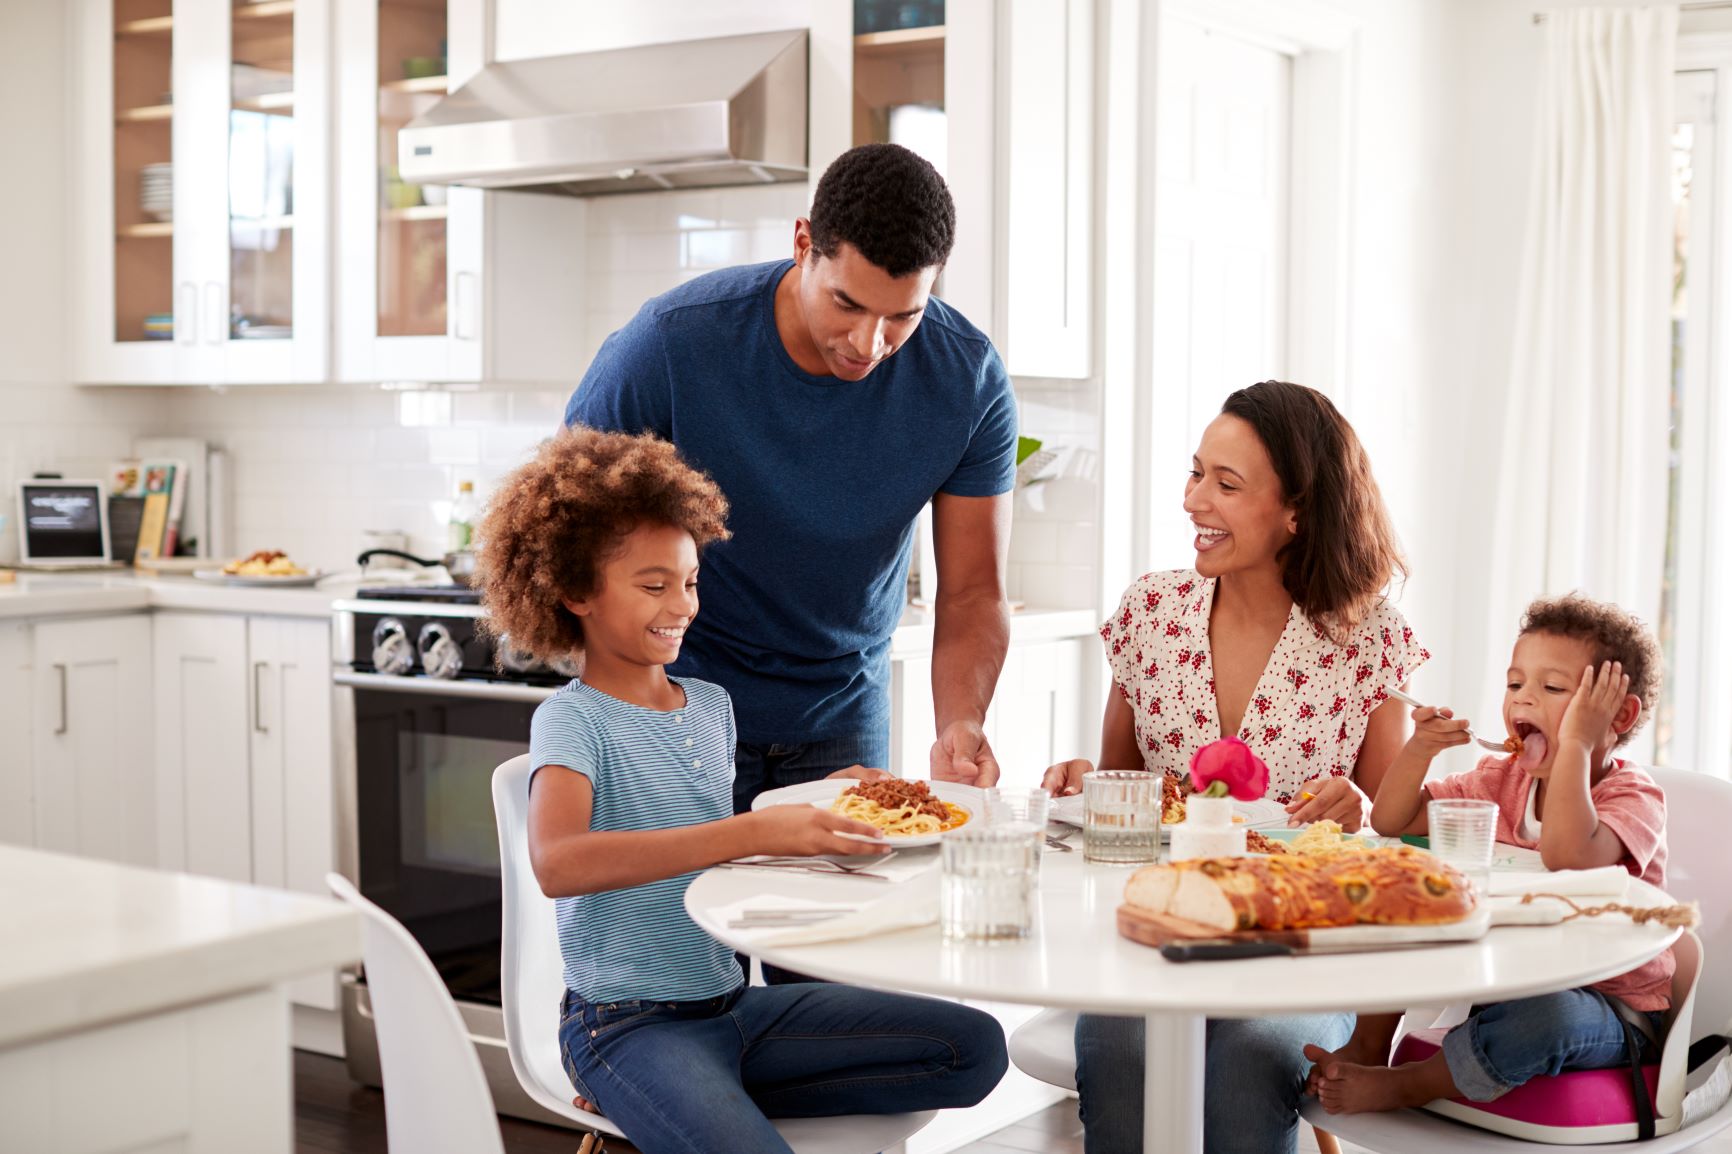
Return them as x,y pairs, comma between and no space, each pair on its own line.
554,522
1345,553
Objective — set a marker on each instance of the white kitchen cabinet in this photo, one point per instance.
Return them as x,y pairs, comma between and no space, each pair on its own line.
17,794
440,284
244,755
202,217
90,738
1036,717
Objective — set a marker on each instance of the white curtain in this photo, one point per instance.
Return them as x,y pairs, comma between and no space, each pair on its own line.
1581,495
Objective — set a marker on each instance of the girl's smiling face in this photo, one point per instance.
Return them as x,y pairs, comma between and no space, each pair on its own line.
646,596
1544,673
1241,516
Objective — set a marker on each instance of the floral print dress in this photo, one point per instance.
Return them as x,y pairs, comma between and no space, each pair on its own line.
1308,715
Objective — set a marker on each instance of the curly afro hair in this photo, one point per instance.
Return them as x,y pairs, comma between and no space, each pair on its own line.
1612,633
555,521
890,204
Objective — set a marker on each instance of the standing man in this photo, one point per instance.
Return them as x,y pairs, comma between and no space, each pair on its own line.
831,397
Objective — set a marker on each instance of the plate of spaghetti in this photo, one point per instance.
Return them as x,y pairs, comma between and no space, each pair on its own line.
911,813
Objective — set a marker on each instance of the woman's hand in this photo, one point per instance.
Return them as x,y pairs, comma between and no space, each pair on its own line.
1065,778
862,772
1334,798
807,831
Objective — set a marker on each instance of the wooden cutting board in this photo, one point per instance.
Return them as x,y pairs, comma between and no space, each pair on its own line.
1152,929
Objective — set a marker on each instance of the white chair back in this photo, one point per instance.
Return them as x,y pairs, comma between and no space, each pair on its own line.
436,1097
531,978
1698,816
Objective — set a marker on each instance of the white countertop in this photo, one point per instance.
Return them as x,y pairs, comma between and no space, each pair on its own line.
76,594
86,942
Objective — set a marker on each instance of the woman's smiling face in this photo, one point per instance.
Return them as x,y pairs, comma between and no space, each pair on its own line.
1241,516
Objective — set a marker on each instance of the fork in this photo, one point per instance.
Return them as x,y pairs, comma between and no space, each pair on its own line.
1494,746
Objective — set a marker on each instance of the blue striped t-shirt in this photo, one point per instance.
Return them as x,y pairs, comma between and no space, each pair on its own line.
649,769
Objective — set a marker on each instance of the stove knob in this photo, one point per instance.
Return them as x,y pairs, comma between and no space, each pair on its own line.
570,665
392,652
440,656
515,660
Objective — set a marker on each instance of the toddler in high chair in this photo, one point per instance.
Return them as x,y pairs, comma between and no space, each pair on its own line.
1582,680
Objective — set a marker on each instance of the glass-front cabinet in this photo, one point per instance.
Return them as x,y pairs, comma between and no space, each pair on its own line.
204,187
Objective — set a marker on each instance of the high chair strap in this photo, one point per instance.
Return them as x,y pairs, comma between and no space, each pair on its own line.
1704,1049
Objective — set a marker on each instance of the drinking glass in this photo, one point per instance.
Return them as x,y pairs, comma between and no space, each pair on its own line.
1462,834
1024,807
986,882
1121,816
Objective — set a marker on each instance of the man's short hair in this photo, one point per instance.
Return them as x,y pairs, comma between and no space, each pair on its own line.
890,204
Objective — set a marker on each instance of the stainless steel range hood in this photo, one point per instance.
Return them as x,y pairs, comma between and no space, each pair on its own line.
696,113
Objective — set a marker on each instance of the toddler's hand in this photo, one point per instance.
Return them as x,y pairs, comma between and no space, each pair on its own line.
1591,711
862,772
807,831
1435,729
1065,778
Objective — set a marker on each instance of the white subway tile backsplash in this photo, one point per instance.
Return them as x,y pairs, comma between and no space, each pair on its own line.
511,444
480,408
714,248
454,446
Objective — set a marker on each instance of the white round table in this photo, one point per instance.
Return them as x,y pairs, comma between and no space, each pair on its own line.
1076,960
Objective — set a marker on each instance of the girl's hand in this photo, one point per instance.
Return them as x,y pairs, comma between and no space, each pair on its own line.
1334,798
1436,729
1589,715
1065,778
863,773
807,831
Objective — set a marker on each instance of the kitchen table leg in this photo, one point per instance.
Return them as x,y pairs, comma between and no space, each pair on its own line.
1173,1083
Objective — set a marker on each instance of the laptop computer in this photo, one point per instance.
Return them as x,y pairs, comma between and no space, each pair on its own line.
63,524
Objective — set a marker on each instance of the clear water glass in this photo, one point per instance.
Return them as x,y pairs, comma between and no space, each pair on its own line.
986,882
1121,816
1023,806
1463,832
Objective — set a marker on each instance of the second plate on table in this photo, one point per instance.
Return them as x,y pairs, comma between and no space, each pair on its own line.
825,790
299,581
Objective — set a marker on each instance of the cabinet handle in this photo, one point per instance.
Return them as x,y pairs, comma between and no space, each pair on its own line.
186,317
258,701
61,671
213,312
465,306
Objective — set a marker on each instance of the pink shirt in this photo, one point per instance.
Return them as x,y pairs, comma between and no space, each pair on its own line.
1627,802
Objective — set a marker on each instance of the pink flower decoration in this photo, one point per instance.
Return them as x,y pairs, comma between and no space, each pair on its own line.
1228,766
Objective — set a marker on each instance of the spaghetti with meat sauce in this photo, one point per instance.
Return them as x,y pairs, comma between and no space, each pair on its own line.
899,808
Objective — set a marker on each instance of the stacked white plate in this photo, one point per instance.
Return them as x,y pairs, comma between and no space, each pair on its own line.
156,191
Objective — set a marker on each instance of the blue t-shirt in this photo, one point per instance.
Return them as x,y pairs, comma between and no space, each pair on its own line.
824,478
648,769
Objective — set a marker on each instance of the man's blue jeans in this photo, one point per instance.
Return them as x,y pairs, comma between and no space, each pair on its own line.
697,1077
1253,1079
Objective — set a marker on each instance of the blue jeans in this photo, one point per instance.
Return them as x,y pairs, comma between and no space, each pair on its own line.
694,1077
1253,1080
761,767
1504,1044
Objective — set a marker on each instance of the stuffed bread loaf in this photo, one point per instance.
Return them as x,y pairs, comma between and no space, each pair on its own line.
1398,885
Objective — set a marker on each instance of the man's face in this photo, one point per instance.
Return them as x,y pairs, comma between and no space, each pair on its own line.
857,314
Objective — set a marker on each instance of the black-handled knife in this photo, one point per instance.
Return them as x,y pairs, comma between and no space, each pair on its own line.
1223,950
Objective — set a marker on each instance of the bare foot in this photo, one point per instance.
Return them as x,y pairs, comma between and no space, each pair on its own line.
1358,1050
1351,1088
586,1105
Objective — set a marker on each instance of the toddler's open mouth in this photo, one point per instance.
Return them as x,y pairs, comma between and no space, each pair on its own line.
1531,744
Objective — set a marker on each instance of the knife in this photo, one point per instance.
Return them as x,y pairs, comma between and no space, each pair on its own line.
1229,949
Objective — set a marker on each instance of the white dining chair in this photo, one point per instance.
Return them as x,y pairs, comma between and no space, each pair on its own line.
436,1097
532,983
1698,815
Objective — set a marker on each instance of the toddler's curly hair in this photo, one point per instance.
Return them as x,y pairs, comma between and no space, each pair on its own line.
1613,634
556,520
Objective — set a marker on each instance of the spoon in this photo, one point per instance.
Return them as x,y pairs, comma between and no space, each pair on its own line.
1494,746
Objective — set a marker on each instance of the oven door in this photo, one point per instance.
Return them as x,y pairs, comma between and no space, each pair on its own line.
427,845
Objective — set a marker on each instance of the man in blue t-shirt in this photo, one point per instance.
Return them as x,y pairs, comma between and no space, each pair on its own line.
831,397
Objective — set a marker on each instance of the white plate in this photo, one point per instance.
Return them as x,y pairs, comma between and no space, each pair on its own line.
1263,813
825,790
302,581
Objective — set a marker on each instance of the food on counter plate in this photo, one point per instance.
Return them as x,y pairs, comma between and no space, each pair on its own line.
1399,885
899,808
264,563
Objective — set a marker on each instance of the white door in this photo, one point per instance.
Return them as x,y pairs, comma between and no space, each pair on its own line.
1221,225
95,785
293,813
17,803
204,802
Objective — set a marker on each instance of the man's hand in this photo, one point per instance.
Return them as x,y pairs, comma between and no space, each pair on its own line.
862,772
1065,778
1590,713
1335,798
962,754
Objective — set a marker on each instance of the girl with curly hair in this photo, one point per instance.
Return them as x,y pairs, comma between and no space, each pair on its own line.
593,547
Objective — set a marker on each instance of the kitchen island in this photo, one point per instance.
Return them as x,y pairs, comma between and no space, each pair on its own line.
146,1010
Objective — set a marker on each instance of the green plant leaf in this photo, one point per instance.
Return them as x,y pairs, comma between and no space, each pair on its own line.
1026,447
